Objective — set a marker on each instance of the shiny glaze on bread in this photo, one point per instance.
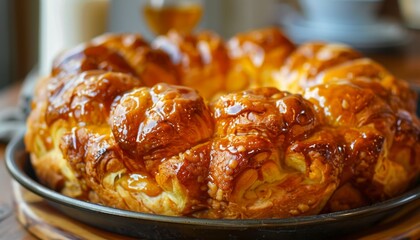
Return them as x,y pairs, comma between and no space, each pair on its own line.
252,127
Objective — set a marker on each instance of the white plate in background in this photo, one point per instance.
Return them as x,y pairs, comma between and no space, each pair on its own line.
382,34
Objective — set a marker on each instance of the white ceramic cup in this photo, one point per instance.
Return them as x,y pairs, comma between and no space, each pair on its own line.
341,12
410,11
66,23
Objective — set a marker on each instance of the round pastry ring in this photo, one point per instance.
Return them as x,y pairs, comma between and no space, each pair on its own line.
152,226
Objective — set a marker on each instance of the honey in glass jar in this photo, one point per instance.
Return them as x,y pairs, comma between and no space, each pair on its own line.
179,15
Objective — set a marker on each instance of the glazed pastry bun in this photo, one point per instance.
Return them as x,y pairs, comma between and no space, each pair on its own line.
251,127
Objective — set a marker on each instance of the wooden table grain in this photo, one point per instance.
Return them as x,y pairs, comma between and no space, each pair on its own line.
403,62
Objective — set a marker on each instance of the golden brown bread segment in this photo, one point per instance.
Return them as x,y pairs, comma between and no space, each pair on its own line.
201,60
251,127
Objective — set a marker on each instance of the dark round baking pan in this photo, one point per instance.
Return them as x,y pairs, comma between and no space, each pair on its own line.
150,226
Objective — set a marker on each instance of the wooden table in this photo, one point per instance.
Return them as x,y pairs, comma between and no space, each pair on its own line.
403,62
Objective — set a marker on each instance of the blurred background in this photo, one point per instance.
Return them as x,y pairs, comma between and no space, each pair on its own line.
24,43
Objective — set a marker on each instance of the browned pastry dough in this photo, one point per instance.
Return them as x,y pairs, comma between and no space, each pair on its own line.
201,60
310,59
128,53
191,125
255,55
262,162
157,123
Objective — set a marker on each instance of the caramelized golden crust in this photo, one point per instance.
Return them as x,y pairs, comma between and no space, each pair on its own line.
108,126
265,111
85,58
258,152
160,122
190,169
86,98
129,45
310,59
255,55
249,112
127,53
345,104
151,65
366,73
251,177
201,60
